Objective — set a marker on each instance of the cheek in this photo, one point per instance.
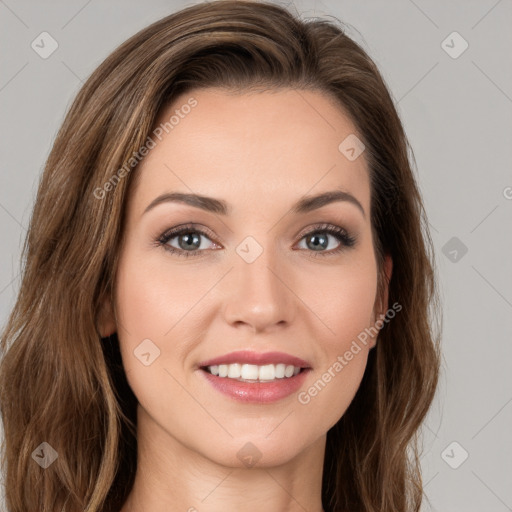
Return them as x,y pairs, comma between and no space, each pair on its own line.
153,300
341,297
153,295
330,393
352,306
343,301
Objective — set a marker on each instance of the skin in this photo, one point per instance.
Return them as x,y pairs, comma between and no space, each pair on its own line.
260,152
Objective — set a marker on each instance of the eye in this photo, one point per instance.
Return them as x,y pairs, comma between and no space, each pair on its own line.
318,240
187,240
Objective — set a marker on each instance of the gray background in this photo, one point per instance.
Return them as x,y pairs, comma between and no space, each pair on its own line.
457,114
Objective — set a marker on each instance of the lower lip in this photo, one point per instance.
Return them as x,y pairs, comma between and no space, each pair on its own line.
257,392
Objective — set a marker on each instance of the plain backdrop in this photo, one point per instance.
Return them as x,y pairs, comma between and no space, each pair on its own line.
454,95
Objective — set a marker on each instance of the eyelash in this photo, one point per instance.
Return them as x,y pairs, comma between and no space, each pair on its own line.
346,240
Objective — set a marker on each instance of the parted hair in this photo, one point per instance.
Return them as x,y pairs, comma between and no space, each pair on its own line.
61,383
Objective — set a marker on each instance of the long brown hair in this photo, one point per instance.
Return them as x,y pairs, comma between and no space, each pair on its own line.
63,385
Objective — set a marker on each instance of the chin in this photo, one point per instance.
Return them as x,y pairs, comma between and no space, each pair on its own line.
256,451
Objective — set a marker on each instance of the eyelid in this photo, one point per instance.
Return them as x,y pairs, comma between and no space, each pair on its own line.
190,226
344,237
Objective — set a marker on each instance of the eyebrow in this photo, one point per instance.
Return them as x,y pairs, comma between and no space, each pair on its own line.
221,207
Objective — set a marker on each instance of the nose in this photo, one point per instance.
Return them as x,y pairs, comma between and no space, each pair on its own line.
258,295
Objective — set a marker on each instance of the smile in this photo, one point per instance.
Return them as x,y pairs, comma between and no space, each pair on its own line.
253,377
254,373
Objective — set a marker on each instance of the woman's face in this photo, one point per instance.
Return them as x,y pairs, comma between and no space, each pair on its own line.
253,273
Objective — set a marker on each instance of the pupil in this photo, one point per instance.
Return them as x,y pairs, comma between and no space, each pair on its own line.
189,243
315,243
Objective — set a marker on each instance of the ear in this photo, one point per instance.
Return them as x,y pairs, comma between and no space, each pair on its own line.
106,319
381,303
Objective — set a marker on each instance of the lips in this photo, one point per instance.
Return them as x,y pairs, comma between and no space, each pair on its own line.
255,391
259,359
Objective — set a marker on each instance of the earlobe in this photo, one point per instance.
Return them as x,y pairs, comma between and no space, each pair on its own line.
382,303
106,321
388,271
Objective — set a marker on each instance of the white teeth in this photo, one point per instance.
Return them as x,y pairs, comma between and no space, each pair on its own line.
249,372
253,372
234,371
288,371
267,372
280,370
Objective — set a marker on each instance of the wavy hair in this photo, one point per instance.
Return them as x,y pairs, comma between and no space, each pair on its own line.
60,383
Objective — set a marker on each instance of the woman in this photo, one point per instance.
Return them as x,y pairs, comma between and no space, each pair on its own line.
289,358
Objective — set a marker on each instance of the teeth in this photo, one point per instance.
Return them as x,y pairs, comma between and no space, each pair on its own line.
267,372
253,372
249,372
234,371
280,369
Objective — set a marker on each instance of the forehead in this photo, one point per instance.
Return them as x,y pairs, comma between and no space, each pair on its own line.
245,146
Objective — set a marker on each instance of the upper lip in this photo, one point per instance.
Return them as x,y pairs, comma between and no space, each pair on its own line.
259,359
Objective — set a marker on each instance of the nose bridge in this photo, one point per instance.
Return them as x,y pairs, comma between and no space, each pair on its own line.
257,294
